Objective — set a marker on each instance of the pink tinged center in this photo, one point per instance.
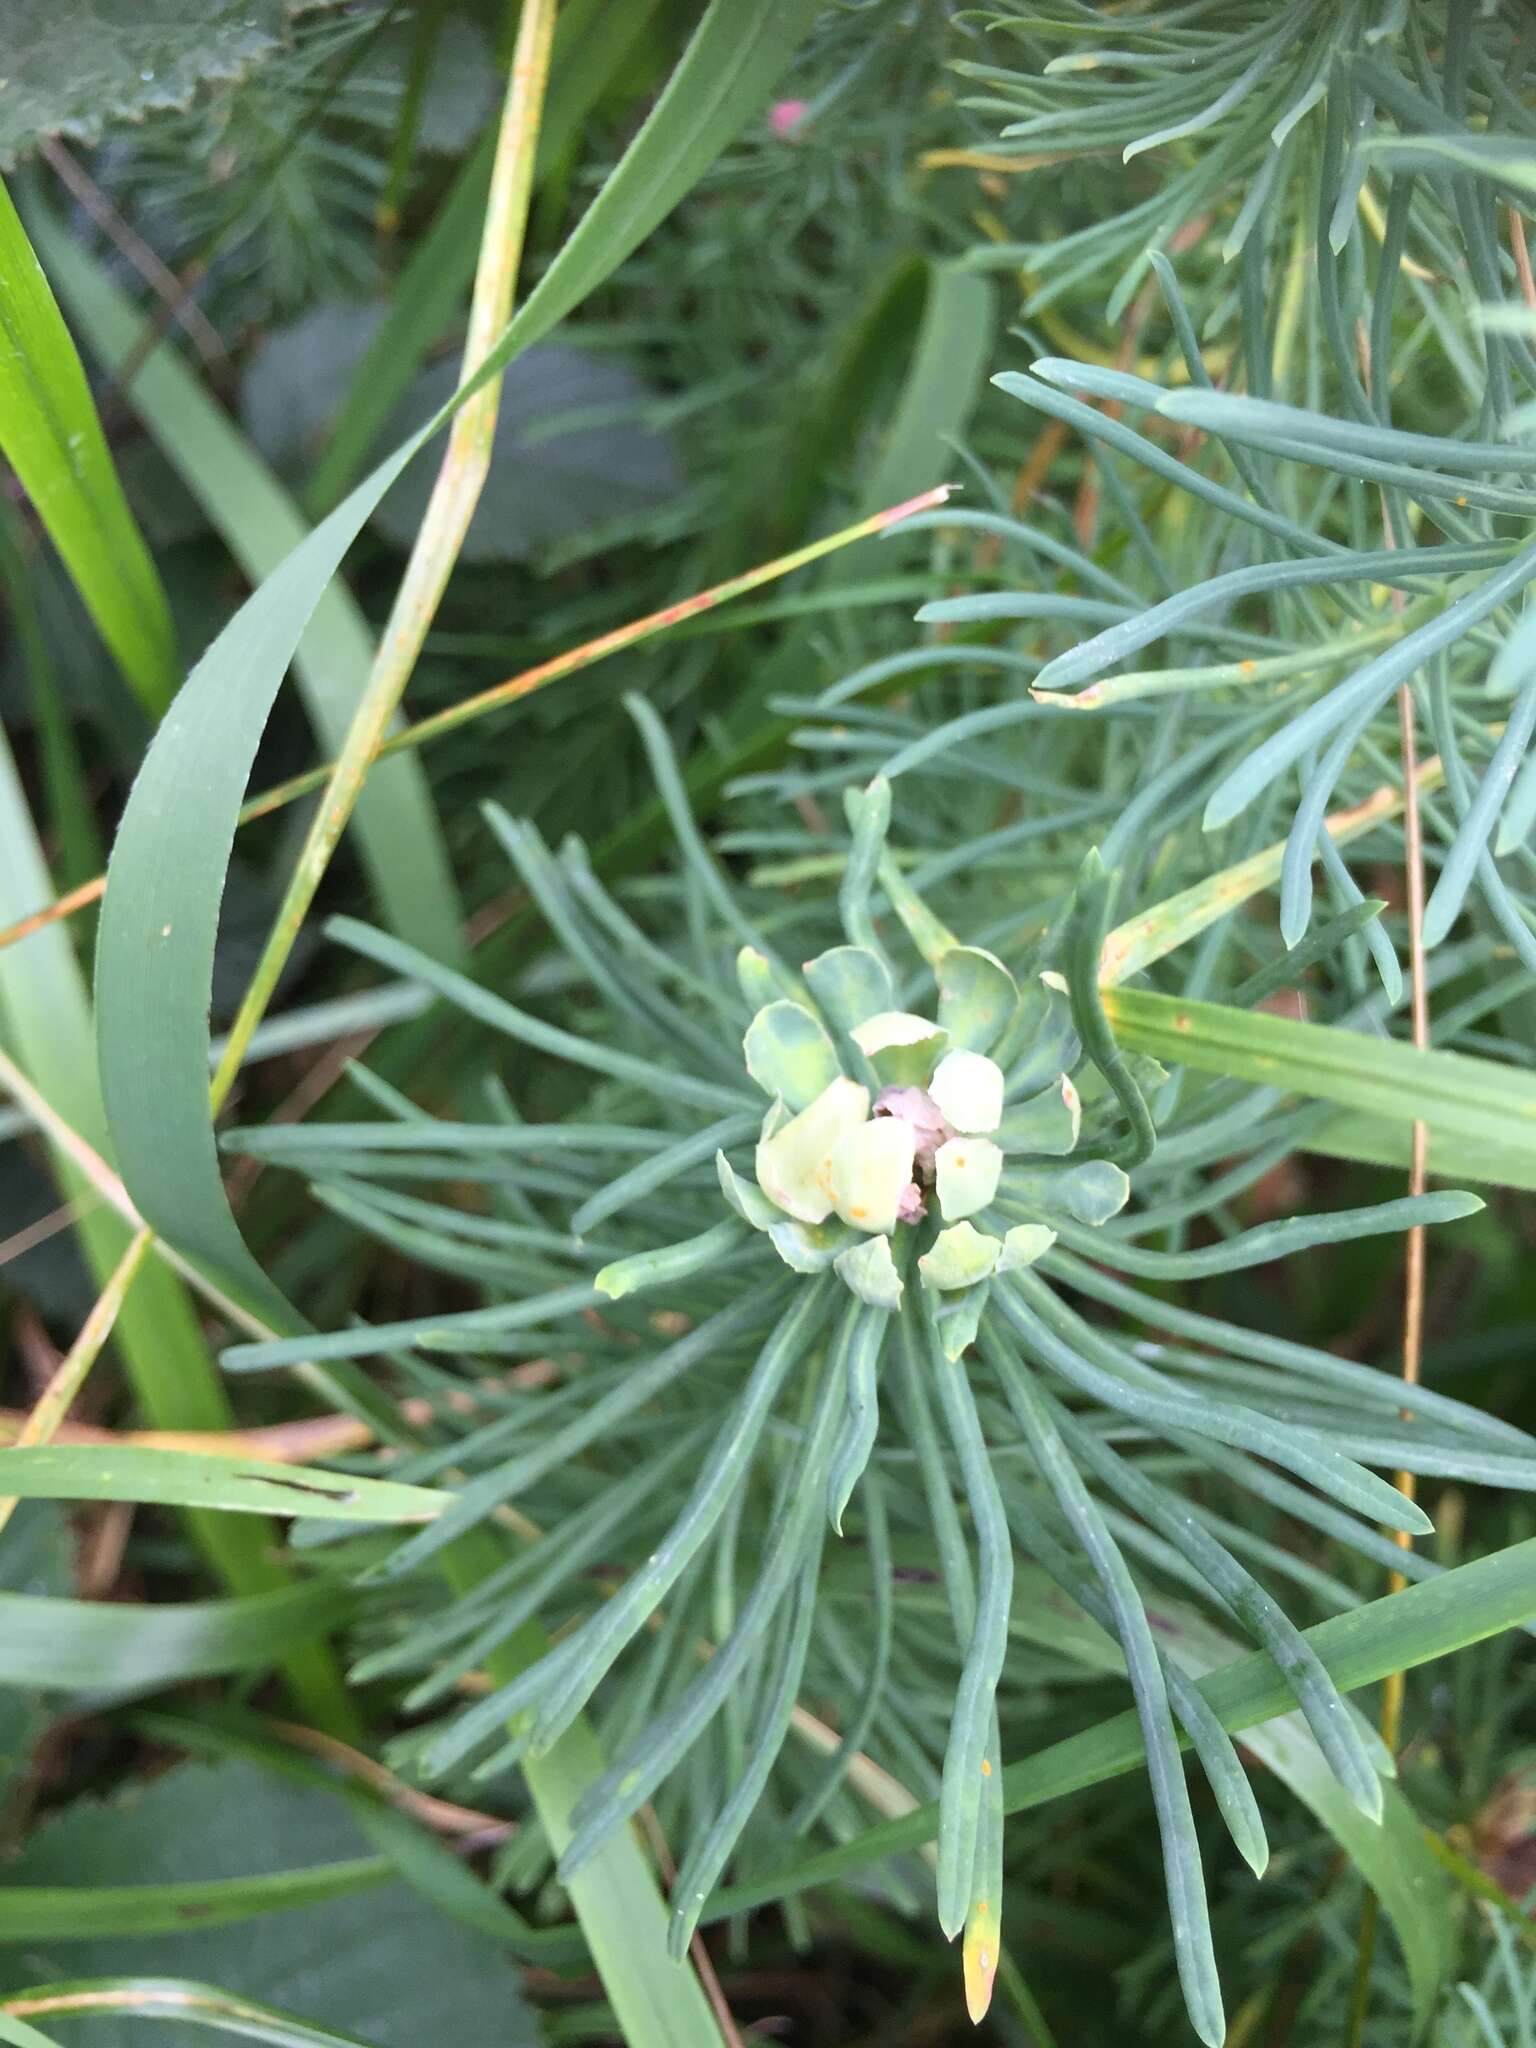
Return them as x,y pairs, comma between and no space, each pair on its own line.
785,116
916,1108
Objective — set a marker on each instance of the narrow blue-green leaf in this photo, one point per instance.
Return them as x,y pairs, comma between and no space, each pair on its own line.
861,1339
1222,411
1368,686
1389,1851
1394,1633
973,1715
1473,833
1398,568
1321,1702
1098,426
1109,1374
1182,1869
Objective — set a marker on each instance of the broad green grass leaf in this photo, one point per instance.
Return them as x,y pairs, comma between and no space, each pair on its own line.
395,824
59,1913
1481,1116
142,1472
949,360
110,1647
366,1954
160,914
75,64
46,1022
52,438
658,2003
1394,1633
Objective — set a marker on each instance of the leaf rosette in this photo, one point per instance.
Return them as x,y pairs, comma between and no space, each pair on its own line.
901,1167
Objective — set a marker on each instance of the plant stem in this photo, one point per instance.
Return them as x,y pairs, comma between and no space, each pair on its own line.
56,1399
1391,1717
454,497
515,688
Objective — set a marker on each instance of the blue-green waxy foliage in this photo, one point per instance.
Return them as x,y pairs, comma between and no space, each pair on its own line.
1357,176
884,1278
818,1267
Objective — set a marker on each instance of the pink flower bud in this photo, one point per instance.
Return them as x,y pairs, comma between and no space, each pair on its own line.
785,116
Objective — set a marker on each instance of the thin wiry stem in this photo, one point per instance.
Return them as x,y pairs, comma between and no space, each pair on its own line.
163,281
441,536
696,1946
1391,1718
57,1398
1391,1721
523,684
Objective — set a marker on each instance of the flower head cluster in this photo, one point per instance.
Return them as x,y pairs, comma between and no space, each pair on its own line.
889,1132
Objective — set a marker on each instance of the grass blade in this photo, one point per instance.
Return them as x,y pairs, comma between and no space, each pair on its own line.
397,830
174,1998
47,1022
1153,934
141,1472
108,1647
21,2035
160,915
87,1912
657,2003
1473,1104
52,438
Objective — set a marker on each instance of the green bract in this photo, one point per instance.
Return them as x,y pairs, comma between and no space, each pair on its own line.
919,1155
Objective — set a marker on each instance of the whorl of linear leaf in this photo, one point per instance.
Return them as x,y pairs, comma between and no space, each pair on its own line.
793,1309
